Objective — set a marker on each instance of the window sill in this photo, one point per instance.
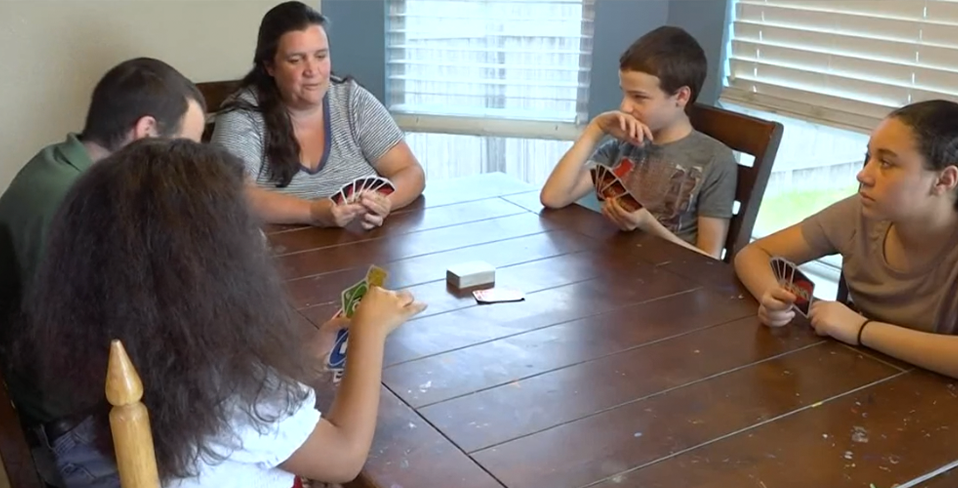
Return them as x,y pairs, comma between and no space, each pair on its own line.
487,127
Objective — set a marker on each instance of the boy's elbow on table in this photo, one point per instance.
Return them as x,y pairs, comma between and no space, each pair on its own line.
551,199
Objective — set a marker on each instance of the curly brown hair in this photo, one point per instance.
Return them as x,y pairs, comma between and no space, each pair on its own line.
155,246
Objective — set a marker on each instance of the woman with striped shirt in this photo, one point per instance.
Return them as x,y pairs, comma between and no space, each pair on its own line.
304,133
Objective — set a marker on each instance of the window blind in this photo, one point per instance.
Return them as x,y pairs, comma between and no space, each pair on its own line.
520,60
847,62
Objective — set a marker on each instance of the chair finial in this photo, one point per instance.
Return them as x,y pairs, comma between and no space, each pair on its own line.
130,422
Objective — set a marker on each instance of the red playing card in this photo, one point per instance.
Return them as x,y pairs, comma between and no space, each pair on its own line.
348,192
606,178
629,203
615,189
622,169
802,288
495,295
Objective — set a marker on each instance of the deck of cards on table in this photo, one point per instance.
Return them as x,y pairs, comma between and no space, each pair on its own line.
792,279
336,360
352,191
609,186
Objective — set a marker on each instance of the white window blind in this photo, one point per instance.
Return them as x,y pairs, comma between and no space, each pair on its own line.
846,62
478,62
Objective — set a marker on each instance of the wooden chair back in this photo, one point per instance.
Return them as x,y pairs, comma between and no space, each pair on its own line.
750,135
15,454
215,93
130,422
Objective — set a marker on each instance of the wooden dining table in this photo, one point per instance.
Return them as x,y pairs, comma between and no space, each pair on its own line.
631,362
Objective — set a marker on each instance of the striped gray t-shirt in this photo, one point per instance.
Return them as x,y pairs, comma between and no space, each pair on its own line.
359,130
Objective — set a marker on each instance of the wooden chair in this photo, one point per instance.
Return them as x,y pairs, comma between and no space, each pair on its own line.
14,451
750,135
130,422
215,92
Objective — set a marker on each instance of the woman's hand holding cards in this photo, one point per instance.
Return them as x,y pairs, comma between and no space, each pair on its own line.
328,214
775,307
837,320
377,208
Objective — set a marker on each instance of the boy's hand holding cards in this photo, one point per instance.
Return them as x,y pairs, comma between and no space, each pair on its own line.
351,192
336,360
608,184
797,283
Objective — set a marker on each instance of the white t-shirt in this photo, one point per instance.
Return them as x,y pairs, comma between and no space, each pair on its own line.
254,453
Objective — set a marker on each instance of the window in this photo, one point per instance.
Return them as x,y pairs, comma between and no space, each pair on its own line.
816,165
843,62
829,71
489,85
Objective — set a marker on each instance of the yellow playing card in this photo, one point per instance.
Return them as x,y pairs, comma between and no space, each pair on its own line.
376,276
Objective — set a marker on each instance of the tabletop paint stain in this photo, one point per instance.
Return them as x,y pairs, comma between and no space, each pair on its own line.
859,435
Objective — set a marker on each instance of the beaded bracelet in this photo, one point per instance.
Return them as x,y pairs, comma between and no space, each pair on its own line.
860,330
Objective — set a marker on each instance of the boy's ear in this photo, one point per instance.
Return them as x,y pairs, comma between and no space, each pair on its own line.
948,179
682,96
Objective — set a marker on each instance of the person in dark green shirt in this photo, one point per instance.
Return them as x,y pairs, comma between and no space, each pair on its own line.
138,98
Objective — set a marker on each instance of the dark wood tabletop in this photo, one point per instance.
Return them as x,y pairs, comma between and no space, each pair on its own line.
631,362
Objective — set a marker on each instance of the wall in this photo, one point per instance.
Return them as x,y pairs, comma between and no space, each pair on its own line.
64,46
358,40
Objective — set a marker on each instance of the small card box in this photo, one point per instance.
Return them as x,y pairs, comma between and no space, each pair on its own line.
471,274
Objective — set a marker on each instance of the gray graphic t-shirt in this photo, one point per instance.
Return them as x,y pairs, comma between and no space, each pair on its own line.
678,182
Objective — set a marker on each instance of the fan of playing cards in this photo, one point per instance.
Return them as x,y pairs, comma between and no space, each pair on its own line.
792,279
351,192
608,184
336,360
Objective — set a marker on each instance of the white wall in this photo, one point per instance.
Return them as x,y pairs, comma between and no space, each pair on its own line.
52,52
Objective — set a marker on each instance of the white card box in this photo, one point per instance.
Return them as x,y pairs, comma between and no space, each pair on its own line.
471,274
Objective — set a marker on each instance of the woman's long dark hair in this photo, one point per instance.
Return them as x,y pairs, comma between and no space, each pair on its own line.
280,147
155,246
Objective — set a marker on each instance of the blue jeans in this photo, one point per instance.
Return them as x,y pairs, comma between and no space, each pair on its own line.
72,461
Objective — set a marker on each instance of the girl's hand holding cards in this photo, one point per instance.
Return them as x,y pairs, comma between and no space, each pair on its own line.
775,308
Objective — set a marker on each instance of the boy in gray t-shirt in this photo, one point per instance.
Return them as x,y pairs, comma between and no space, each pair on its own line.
684,179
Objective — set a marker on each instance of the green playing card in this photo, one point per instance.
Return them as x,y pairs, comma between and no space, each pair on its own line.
351,297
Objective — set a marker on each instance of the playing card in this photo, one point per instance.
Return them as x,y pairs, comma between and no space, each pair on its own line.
387,187
629,203
350,297
360,185
803,288
378,182
614,190
594,172
494,295
609,185
624,167
777,268
337,355
606,178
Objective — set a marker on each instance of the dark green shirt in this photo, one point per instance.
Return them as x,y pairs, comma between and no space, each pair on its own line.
27,208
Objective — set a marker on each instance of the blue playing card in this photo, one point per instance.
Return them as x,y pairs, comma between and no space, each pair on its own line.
337,356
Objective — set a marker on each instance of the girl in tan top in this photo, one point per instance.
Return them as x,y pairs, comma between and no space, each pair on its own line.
898,239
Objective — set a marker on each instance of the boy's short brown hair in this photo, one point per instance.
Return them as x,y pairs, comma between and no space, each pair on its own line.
670,54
